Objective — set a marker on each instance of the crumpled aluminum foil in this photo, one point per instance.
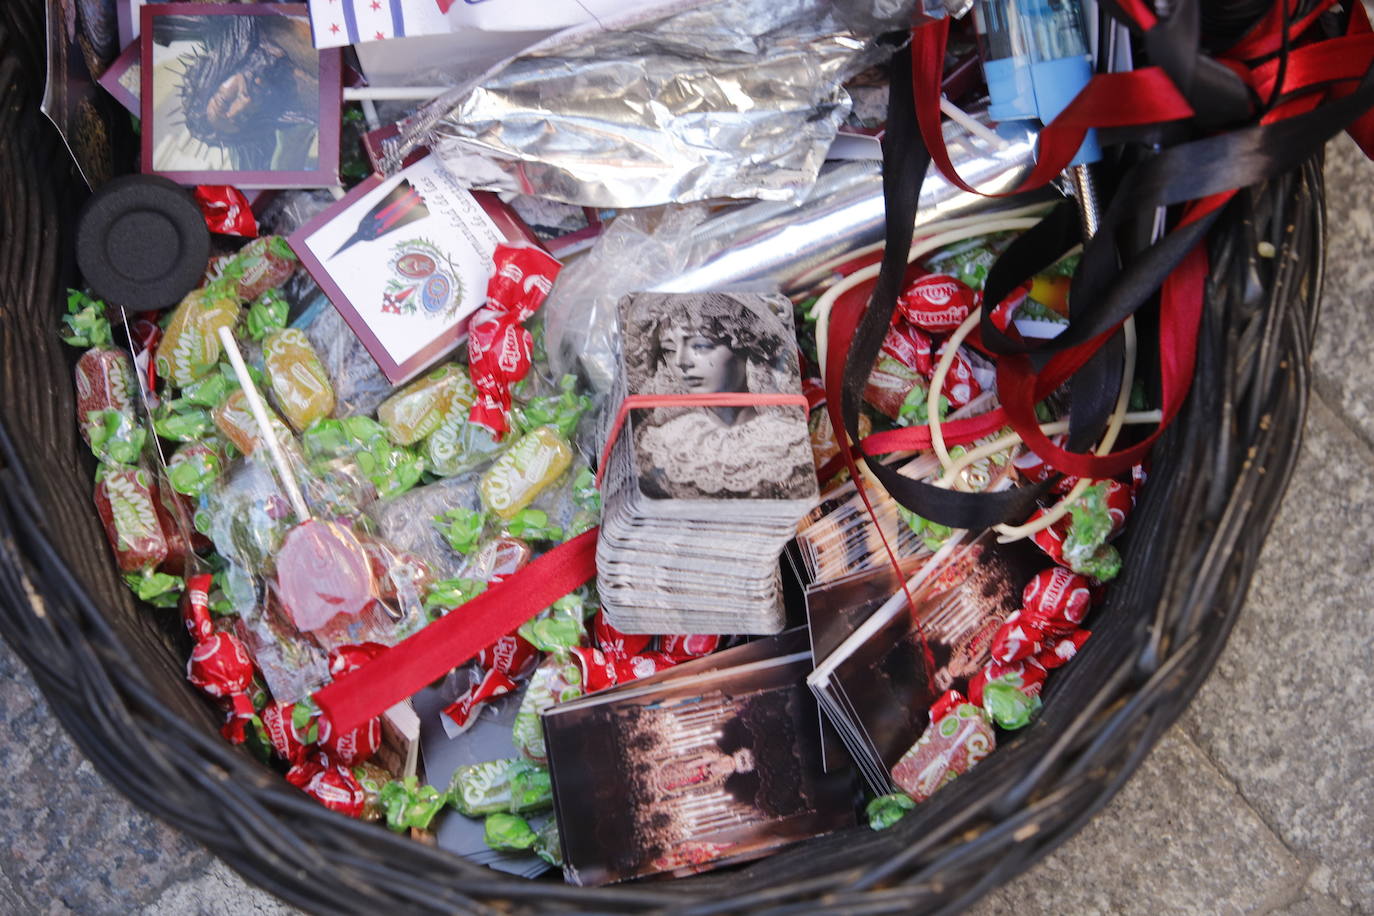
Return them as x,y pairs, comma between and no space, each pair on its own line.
726,98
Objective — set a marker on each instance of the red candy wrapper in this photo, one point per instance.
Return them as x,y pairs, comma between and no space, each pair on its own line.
1057,652
500,349
343,659
683,648
511,655
195,607
463,712
220,667
936,303
330,784
127,503
1005,312
226,210
600,670
960,386
959,737
350,747
613,642
1016,638
909,345
1056,600
281,731
146,336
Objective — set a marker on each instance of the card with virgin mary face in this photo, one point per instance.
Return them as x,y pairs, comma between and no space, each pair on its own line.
237,94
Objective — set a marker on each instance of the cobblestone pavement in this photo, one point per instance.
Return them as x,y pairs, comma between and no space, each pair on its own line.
1257,801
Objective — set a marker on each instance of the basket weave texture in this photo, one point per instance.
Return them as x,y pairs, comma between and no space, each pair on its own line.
113,672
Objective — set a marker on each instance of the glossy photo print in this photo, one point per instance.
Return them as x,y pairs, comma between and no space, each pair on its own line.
236,94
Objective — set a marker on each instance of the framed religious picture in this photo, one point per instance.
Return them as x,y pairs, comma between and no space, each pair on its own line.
237,94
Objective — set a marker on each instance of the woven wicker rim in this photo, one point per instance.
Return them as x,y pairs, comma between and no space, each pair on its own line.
113,672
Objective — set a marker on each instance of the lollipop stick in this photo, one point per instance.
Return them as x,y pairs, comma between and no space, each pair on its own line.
269,435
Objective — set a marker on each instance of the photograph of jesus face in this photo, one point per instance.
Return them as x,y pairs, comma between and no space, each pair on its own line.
237,94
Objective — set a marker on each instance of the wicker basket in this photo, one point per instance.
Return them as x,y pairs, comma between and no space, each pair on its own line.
113,671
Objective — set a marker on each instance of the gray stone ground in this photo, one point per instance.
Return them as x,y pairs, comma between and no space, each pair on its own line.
1258,801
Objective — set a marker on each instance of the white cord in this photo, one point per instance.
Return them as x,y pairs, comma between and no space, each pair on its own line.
1011,440
269,435
817,274
986,226
972,125
1009,533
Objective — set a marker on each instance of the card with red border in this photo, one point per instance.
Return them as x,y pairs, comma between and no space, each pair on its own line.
406,260
237,94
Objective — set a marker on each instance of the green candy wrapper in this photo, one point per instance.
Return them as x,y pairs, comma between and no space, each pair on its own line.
886,810
195,467
157,589
392,469
458,446
461,528
547,844
562,411
409,805
267,313
533,525
552,682
373,779
85,321
1008,706
182,425
447,594
513,786
116,437
561,627
1086,549
508,832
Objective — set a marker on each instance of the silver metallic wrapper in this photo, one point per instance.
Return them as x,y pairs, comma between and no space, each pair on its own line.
721,99
768,246
764,246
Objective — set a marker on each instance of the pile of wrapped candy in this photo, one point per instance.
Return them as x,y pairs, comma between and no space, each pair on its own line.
400,385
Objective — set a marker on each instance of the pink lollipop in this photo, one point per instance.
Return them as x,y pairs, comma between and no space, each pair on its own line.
322,572
322,569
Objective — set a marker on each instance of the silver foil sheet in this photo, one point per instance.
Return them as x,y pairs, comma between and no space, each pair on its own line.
721,99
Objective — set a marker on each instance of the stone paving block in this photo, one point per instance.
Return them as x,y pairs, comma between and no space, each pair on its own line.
1177,839
75,844
215,892
1286,713
1342,370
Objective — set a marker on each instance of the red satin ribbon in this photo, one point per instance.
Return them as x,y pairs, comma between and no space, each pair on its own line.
1323,71
406,668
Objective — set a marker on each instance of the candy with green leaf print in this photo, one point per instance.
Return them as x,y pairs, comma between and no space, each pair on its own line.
536,460
195,467
190,345
958,737
125,498
421,407
105,383
300,386
263,264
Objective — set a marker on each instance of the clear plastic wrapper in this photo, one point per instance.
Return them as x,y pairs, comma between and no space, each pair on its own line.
359,386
